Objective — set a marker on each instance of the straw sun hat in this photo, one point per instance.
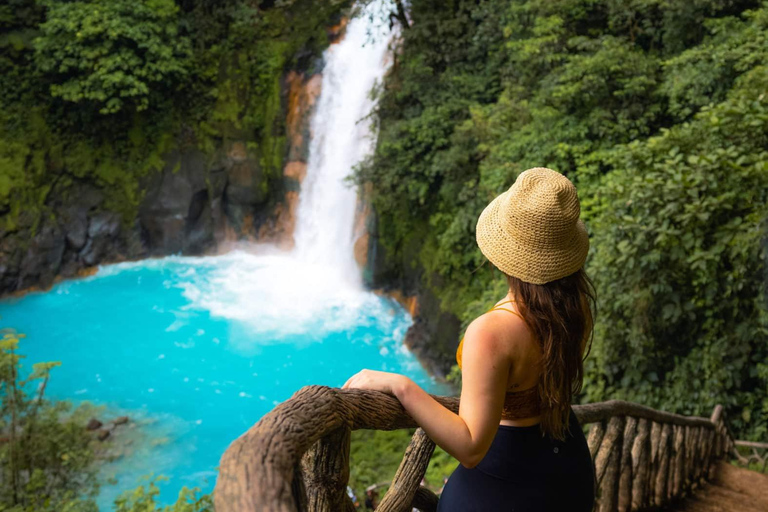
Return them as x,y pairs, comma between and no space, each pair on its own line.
533,231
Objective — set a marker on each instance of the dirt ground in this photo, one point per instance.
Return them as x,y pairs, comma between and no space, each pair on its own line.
732,490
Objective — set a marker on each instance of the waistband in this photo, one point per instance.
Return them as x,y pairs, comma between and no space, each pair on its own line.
518,428
534,432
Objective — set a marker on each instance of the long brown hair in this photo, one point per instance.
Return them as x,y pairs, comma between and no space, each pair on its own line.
560,315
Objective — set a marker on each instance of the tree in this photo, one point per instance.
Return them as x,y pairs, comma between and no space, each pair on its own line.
112,53
656,110
46,455
48,460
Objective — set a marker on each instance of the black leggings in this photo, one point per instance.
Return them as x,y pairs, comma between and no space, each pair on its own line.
525,472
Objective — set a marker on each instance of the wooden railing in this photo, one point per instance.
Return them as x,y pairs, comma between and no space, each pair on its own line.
751,455
296,458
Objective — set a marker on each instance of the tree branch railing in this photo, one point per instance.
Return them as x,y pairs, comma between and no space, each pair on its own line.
296,457
750,454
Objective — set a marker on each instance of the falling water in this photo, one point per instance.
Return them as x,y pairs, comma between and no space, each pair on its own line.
341,138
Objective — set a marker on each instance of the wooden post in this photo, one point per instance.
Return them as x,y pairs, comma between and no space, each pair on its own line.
670,487
720,436
689,457
702,451
607,464
612,434
698,435
661,477
654,462
425,500
625,479
641,452
679,450
596,433
325,467
297,488
717,420
709,439
720,440
401,492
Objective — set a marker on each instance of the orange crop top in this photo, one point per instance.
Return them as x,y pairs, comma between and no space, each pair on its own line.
517,404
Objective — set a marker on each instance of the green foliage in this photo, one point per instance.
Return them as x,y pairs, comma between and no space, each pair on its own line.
656,111
679,228
97,91
705,73
143,499
376,454
112,52
46,457
48,460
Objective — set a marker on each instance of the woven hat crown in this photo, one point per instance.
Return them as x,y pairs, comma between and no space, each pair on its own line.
533,231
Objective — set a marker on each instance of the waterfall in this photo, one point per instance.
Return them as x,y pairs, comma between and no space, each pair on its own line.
341,137
317,287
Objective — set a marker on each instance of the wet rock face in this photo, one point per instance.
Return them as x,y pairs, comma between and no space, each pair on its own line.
185,209
103,230
245,191
43,255
194,204
303,91
177,215
75,233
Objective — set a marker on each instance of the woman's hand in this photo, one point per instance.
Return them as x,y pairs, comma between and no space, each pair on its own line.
387,382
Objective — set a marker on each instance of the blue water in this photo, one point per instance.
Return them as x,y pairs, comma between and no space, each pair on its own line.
195,350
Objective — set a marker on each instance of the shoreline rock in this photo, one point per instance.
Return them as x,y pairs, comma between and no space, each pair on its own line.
102,431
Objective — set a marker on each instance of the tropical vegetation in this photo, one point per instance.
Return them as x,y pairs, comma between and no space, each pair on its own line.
99,90
657,111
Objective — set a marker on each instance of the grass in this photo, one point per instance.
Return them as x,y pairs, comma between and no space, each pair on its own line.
375,456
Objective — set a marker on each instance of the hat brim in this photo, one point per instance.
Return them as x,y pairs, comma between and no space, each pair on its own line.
532,265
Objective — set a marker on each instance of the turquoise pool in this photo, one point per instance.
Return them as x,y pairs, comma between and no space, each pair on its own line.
195,350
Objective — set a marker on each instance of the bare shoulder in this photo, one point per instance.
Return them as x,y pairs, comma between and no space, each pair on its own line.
497,331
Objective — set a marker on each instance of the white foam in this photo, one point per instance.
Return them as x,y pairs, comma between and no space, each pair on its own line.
281,295
316,288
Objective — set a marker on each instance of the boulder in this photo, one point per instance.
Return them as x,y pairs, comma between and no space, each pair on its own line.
43,257
94,424
76,228
122,420
104,224
175,198
101,245
11,255
199,230
246,191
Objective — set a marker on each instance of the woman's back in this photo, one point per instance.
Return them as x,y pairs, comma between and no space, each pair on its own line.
522,354
523,470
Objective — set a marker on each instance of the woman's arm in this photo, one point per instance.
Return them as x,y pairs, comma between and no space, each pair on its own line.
467,435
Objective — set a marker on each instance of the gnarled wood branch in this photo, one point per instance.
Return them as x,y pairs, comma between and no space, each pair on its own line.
297,456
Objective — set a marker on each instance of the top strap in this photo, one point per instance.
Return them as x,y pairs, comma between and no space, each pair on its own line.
505,302
498,308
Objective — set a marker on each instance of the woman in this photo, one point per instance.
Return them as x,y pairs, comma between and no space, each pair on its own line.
519,445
